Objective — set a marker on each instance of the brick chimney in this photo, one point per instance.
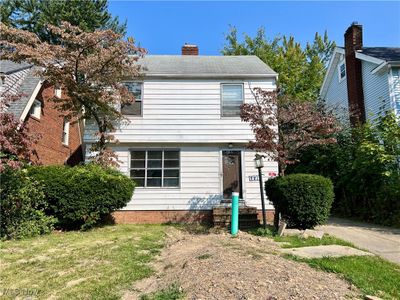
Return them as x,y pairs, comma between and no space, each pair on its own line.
190,49
352,43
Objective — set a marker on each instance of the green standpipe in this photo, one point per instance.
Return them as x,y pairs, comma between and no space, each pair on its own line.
235,214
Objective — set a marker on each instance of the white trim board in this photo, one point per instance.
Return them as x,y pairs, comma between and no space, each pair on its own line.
31,100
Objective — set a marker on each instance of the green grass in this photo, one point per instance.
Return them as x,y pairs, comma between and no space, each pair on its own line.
297,241
204,256
96,264
173,292
371,274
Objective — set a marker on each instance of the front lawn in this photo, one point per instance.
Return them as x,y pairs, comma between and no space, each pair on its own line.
371,274
96,264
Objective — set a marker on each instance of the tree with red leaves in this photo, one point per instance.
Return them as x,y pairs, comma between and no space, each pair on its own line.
90,66
15,139
283,129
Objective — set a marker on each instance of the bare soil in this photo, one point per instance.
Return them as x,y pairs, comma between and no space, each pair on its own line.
218,266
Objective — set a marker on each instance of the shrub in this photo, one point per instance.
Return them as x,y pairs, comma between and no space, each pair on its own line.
22,206
304,200
82,196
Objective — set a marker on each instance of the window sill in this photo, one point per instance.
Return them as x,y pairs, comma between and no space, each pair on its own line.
34,118
65,145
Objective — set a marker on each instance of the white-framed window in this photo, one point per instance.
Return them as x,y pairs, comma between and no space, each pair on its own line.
155,168
57,91
342,70
133,109
65,132
232,97
36,109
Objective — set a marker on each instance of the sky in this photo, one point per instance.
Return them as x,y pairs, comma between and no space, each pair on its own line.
163,27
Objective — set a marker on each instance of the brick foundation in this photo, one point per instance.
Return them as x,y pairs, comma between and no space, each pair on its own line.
162,216
173,216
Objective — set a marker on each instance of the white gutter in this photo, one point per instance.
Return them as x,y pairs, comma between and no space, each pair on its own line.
30,101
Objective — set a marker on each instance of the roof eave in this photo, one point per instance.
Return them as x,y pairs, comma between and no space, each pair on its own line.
209,76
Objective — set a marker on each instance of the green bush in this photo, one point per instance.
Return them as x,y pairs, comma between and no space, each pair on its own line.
82,196
304,200
22,206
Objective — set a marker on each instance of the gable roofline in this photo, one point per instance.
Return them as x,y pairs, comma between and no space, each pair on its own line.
330,70
32,98
369,58
204,67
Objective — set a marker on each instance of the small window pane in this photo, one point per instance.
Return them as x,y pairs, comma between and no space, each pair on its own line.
171,154
132,109
137,173
135,88
153,173
171,163
154,163
138,163
170,182
138,155
154,182
171,173
139,181
154,154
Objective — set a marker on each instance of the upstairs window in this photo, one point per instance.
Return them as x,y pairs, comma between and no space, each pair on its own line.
342,71
155,168
65,133
133,109
57,91
36,109
232,98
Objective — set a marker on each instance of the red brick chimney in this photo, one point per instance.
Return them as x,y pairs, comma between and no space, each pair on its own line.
352,43
190,49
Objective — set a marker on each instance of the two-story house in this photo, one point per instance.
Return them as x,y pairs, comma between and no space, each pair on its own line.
184,143
362,81
59,140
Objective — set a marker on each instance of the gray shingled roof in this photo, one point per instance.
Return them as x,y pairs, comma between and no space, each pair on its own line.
192,66
8,67
27,87
389,54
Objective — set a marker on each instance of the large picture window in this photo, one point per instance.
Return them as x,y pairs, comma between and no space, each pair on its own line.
133,109
232,99
155,168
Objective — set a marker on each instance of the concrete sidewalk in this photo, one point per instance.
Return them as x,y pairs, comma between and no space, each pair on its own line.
382,241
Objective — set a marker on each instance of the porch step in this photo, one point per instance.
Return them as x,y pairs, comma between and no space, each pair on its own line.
247,217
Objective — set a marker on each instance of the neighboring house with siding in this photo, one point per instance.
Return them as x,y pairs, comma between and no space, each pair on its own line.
363,81
184,143
60,140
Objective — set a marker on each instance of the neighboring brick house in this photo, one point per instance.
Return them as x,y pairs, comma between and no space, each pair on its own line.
363,81
60,140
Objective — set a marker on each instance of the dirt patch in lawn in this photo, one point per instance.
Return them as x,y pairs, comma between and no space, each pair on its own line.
217,266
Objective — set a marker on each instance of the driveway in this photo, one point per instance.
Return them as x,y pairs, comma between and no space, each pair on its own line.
380,240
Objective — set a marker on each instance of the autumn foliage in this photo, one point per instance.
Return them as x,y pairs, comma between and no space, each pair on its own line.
90,66
282,129
16,142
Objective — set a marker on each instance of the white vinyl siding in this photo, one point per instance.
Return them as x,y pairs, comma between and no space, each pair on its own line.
185,111
336,95
201,180
376,91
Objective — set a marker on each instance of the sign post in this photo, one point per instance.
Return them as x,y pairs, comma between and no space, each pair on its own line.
259,164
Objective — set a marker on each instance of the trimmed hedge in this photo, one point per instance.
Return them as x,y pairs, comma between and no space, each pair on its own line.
82,196
304,200
22,206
